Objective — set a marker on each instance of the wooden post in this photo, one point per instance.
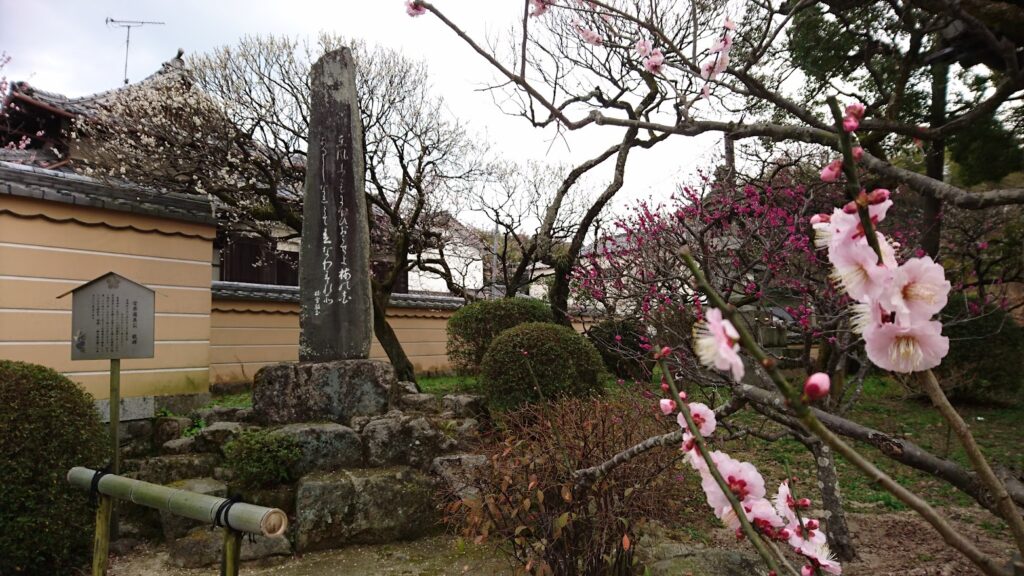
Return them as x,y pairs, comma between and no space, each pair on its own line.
115,414
101,543
231,556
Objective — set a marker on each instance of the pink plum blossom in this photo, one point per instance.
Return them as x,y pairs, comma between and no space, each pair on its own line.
716,344
858,153
540,7
758,511
415,8
654,62
741,478
919,290
785,505
855,110
590,37
724,44
858,270
667,406
643,47
831,172
905,349
703,417
817,386
850,124
818,551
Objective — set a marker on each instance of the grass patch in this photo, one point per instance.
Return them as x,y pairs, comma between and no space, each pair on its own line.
441,385
240,400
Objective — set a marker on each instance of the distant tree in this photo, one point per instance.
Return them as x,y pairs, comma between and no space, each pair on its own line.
233,124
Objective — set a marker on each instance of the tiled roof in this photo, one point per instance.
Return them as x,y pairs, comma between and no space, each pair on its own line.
68,188
88,105
271,293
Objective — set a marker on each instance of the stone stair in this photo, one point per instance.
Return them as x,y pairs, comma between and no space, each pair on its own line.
371,481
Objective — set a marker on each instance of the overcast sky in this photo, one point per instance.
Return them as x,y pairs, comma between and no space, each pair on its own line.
65,46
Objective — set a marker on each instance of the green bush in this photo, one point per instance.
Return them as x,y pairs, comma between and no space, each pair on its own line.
47,426
986,353
538,360
259,458
472,328
618,342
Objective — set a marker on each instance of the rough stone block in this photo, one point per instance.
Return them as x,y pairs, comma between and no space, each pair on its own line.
281,497
136,438
406,387
328,391
218,414
175,526
455,471
467,406
167,428
424,403
179,446
363,507
202,547
397,438
213,438
167,469
324,447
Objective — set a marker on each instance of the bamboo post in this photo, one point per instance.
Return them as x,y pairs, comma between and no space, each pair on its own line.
232,554
240,516
101,542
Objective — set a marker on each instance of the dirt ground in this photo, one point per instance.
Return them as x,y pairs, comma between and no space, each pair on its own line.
901,544
889,544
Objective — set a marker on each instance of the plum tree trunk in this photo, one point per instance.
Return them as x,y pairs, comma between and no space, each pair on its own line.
404,370
836,528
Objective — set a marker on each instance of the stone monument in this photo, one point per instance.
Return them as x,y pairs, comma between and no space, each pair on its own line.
334,379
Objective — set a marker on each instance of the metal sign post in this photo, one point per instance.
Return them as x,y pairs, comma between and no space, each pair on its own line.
111,318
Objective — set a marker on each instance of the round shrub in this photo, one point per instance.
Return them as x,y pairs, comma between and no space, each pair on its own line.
618,341
472,328
48,425
538,360
260,458
986,353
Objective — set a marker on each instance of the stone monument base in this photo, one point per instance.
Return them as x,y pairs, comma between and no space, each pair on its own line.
322,391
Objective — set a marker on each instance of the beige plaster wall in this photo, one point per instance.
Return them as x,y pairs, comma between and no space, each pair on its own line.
247,335
49,248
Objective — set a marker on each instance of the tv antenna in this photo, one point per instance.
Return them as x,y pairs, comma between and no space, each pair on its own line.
128,25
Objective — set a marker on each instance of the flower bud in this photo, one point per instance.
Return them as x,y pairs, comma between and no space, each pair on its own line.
831,172
817,385
664,386
682,395
850,124
855,110
858,153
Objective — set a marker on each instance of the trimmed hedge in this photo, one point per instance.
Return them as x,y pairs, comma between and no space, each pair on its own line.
986,354
48,425
539,360
618,341
474,326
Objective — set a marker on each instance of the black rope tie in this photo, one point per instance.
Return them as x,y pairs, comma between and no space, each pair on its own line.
94,486
220,518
